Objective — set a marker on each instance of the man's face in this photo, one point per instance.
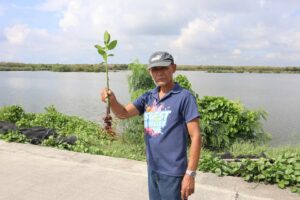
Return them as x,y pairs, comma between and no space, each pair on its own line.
163,76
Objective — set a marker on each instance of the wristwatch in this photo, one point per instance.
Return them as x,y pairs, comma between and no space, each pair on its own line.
191,173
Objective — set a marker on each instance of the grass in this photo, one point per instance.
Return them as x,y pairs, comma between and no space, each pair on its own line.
247,148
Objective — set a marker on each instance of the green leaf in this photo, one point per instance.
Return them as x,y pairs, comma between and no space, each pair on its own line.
247,177
98,46
112,45
281,184
110,54
294,189
106,37
218,171
101,52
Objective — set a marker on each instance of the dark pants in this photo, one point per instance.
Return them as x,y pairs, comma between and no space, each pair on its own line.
163,187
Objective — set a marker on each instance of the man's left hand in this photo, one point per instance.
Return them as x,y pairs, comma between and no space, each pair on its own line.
187,186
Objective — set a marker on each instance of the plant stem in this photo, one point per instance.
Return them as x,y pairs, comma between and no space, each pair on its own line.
107,86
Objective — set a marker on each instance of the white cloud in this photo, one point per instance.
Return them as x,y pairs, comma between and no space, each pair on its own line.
237,52
53,5
198,32
17,34
71,16
262,3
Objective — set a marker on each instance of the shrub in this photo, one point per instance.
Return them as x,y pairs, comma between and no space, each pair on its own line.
11,113
140,77
284,170
224,121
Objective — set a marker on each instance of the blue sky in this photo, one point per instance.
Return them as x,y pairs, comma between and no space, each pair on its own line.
196,32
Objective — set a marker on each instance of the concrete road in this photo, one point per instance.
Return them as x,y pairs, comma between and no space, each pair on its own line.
29,172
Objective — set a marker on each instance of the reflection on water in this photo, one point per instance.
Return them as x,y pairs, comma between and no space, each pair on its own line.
78,94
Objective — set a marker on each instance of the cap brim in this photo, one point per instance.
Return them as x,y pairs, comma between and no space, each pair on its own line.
160,64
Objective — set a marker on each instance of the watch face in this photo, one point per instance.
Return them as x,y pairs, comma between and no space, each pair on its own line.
191,173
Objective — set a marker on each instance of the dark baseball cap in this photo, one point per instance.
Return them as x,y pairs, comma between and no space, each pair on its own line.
160,59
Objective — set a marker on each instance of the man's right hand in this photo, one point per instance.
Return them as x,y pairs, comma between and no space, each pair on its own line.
122,112
106,93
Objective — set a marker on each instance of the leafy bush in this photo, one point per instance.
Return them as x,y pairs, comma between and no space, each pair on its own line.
14,136
11,113
91,138
224,121
283,170
139,78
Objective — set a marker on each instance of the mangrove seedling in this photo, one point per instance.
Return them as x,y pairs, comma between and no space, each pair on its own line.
103,51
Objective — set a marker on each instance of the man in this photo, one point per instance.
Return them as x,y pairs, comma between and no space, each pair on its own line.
170,113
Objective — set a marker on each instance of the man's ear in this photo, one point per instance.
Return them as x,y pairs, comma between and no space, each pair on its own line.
174,67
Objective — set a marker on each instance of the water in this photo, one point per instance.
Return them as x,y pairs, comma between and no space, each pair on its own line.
78,94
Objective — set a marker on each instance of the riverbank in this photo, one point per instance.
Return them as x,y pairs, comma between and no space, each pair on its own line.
9,66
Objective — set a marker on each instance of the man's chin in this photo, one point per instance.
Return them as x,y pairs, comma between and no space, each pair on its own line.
161,84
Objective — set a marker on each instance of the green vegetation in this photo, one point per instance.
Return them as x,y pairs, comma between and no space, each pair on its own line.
283,170
240,69
10,66
91,138
60,67
224,121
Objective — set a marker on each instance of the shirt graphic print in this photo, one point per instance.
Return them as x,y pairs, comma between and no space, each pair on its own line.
155,118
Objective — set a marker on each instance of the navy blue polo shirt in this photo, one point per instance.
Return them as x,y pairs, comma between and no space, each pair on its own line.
165,128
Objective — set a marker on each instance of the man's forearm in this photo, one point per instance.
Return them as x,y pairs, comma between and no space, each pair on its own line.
118,109
195,151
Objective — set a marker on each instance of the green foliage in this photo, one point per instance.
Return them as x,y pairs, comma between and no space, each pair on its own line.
103,50
248,148
11,113
61,67
183,81
91,138
14,136
283,170
140,78
224,121
133,130
240,69
9,66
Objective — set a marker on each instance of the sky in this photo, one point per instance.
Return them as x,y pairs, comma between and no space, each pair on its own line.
195,32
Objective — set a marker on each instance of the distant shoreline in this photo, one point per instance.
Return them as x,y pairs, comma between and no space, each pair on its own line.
8,66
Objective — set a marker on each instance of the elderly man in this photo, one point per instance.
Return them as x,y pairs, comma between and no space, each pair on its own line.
170,114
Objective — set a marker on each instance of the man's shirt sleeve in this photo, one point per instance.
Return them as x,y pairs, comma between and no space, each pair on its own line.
190,108
139,103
